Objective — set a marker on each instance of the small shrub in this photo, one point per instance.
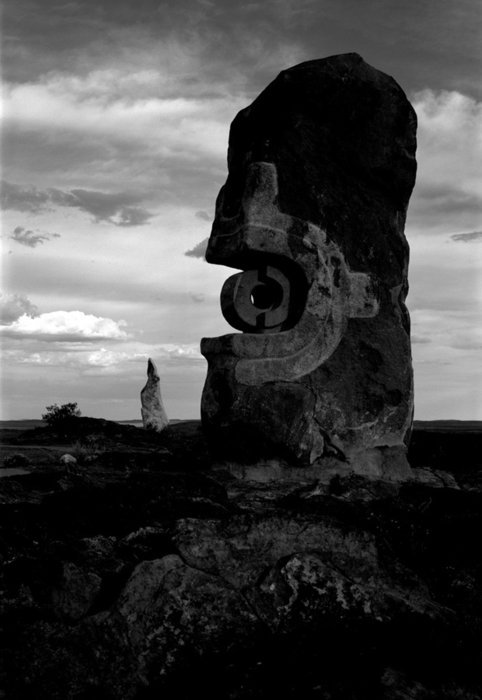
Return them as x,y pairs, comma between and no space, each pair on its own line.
87,449
60,417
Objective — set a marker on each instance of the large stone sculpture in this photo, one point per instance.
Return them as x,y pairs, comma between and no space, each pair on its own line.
321,168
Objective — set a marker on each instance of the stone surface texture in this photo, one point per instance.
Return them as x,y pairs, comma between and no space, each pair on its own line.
321,168
68,460
153,413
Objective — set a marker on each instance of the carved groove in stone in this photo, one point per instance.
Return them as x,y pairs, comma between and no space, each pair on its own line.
334,293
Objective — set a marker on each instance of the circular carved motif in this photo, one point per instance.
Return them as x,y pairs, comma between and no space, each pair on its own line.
257,301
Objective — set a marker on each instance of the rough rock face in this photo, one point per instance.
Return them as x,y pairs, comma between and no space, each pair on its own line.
67,460
321,167
153,414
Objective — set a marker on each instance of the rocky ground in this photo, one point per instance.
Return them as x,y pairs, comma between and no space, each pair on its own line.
147,569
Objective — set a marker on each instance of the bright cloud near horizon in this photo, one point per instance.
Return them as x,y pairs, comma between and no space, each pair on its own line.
115,125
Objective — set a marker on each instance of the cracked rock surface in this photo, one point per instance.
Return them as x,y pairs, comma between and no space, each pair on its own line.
155,572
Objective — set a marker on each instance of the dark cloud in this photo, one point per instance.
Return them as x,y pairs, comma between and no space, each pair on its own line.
115,208
164,179
419,339
12,306
199,250
467,237
437,208
412,41
29,238
203,215
22,198
445,199
198,297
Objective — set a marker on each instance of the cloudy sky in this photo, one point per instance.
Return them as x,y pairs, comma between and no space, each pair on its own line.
115,127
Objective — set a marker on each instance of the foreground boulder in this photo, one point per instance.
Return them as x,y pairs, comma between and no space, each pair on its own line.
178,579
321,167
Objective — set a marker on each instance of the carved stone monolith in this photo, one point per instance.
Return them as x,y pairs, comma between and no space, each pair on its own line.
153,414
321,168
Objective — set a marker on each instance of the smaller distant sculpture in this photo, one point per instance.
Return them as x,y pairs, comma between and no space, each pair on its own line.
153,413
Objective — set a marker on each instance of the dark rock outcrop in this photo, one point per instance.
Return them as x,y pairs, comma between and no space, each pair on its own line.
321,167
173,578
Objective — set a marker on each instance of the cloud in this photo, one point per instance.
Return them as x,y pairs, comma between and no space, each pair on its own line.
444,276
22,198
112,207
420,340
198,297
447,194
199,250
203,215
29,238
454,330
151,114
189,39
178,351
13,306
104,360
467,237
65,326
115,208
183,126
446,349
79,359
152,134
